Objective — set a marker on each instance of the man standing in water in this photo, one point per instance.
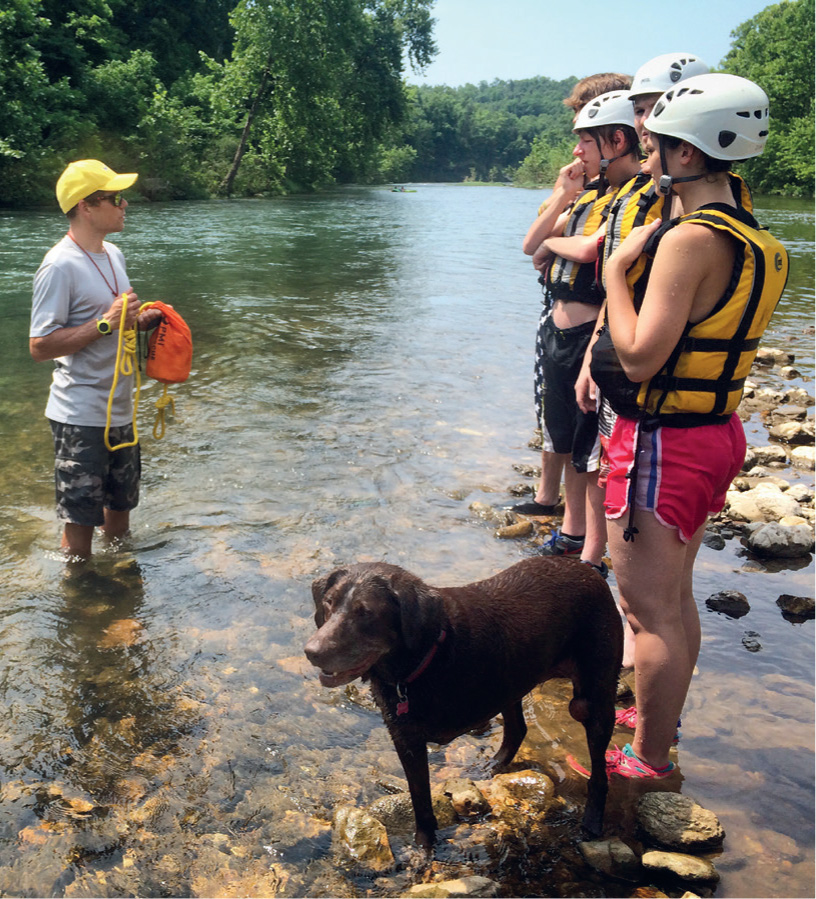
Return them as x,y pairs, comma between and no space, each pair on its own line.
79,291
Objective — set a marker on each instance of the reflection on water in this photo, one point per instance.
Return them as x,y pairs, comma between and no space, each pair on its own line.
362,374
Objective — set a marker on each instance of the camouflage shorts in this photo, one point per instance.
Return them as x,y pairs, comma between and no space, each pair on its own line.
89,478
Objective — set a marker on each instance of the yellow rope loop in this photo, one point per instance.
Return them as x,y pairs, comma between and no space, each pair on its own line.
162,403
125,354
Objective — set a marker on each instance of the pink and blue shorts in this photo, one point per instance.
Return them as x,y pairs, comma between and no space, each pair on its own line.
683,474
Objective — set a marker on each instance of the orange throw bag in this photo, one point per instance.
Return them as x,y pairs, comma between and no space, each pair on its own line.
169,347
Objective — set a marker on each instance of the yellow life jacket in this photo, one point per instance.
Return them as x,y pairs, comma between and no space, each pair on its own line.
641,204
702,381
566,279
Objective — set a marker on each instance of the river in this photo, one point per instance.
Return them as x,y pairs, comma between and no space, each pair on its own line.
362,374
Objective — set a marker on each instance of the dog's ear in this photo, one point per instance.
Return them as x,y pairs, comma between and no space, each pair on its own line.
420,610
319,587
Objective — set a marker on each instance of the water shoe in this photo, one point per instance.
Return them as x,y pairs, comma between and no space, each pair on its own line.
561,545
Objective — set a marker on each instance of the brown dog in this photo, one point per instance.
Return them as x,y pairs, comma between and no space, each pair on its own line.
442,660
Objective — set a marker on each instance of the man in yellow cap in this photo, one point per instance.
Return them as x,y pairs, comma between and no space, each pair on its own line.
79,291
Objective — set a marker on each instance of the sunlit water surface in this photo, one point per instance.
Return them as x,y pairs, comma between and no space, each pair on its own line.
362,374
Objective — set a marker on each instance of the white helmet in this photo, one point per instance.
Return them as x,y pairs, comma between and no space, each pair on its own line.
725,116
611,108
661,73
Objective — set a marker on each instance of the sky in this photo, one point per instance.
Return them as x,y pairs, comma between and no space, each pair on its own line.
481,40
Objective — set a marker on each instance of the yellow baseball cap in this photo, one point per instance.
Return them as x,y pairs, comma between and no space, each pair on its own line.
86,176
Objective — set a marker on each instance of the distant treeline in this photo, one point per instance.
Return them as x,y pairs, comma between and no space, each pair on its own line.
213,98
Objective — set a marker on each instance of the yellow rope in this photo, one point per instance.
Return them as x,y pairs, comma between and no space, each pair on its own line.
125,354
161,404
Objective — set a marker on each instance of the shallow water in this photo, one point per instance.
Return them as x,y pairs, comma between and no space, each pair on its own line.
362,374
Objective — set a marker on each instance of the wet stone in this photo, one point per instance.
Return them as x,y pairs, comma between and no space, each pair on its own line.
798,606
680,865
473,885
362,838
611,857
729,602
466,798
673,821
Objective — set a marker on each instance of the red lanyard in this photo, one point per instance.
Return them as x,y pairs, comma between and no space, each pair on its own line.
115,289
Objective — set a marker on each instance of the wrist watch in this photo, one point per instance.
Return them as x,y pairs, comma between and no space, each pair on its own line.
103,326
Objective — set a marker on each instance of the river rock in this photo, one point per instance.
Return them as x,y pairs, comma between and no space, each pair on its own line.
454,889
396,812
803,457
799,606
788,412
486,512
765,502
788,372
466,798
611,857
799,433
528,789
802,493
777,356
730,602
767,455
363,838
513,531
778,541
673,821
798,396
678,864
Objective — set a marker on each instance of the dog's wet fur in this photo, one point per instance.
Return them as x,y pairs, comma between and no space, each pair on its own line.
479,649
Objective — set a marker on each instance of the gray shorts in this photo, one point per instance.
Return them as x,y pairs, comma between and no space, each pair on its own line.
88,478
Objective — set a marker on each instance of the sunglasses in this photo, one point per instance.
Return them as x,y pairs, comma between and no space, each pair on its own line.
116,199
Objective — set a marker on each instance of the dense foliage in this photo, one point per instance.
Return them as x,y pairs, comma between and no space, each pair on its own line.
218,97
775,49
204,97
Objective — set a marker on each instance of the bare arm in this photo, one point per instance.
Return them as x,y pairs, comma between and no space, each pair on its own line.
568,185
66,341
691,270
579,247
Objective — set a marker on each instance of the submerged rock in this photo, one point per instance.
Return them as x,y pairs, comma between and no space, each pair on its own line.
454,889
362,838
673,821
611,857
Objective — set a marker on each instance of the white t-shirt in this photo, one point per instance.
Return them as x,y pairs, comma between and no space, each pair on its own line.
70,291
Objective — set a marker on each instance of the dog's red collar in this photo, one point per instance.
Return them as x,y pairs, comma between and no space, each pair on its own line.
402,705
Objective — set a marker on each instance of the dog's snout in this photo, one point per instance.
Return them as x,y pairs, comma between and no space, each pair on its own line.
312,649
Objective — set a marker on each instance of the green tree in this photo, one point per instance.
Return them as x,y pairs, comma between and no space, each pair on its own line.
776,50
312,86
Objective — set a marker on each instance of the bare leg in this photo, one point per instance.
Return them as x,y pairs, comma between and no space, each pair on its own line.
117,524
595,542
655,576
77,540
574,522
549,487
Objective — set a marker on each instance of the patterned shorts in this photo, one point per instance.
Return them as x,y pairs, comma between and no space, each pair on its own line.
88,478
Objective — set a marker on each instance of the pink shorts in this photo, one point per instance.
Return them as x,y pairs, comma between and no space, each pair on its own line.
683,473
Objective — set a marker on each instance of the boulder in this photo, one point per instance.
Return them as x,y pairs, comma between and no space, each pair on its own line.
799,433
